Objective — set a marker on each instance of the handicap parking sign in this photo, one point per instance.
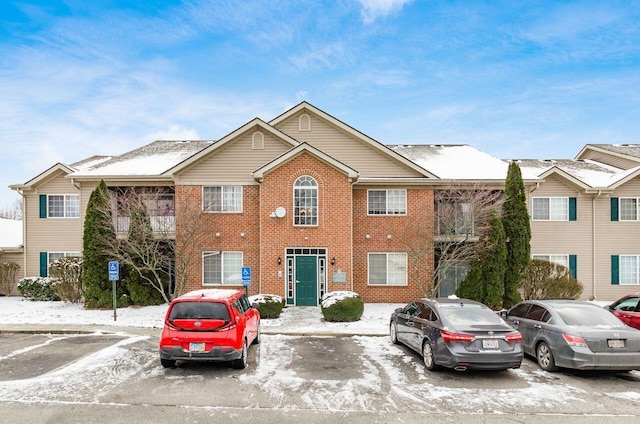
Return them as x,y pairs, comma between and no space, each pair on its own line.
246,276
114,271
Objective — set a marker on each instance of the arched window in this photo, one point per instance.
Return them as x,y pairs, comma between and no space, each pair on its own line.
305,201
304,123
257,140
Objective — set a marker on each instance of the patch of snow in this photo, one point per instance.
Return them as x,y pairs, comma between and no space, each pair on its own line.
10,232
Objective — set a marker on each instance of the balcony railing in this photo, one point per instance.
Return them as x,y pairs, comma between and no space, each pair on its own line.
161,224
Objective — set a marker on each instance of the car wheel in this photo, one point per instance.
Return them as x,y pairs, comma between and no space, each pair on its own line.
393,333
168,363
257,339
545,357
241,362
427,356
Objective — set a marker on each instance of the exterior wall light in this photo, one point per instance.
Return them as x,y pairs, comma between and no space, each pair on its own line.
217,234
279,260
333,260
388,236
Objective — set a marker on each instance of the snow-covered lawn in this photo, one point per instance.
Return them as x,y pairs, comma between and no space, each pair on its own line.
293,320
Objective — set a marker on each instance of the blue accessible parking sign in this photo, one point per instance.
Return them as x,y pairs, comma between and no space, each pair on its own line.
114,271
246,276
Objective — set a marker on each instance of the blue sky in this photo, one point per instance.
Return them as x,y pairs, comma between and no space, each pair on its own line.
516,79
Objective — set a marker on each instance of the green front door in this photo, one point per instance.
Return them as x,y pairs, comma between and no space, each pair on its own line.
306,280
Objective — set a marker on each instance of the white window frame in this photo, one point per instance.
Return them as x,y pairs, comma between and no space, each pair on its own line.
70,205
636,206
304,123
559,259
257,141
230,268
556,210
395,202
305,208
395,269
629,268
230,199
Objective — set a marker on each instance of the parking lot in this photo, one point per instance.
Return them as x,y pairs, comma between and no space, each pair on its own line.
76,377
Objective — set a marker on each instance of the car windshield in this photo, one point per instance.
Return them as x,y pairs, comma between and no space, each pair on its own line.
587,316
199,310
469,315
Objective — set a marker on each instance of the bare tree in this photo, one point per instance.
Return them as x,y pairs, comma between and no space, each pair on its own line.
150,240
460,212
12,212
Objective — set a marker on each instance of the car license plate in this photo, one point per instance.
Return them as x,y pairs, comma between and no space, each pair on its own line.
616,344
490,344
196,347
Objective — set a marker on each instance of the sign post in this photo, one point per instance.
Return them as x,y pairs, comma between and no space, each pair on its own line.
246,278
114,275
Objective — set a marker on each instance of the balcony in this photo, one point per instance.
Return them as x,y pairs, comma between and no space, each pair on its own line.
162,224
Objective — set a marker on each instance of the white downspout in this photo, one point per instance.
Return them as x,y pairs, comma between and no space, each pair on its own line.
593,244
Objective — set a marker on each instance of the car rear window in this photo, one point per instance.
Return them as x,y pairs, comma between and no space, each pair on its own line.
199,310
587,316
470,315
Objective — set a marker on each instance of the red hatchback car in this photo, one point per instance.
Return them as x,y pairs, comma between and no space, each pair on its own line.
209,325
627,309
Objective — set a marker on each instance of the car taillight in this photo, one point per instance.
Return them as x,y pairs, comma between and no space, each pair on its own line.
514,337
574,340
457,337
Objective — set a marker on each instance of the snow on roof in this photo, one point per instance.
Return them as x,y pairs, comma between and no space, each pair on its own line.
89,162
10,233
455,161
151,159
594,174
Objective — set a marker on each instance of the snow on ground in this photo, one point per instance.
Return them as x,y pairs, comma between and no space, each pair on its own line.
298,320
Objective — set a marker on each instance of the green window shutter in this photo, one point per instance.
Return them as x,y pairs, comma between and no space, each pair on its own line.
44,264
615,269
573,266
43,206
573,209
614,208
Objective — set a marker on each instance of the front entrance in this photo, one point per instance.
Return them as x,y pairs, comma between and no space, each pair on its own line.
306,278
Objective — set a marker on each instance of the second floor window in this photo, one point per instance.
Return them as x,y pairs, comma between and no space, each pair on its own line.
553,209
222,199
387,202
63,205
629,210
305,201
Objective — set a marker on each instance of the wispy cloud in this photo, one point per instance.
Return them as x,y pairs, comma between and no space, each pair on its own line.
375,9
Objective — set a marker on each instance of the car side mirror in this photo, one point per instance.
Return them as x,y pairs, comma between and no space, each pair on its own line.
254,305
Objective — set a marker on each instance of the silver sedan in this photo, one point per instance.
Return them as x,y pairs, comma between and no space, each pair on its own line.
574,334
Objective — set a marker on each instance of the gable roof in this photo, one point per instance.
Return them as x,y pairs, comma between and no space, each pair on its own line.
259,173
585,174
43,176
376,145
228,138
628,151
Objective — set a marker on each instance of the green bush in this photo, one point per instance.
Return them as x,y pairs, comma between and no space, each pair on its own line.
37,288
140,291
342,306
269,305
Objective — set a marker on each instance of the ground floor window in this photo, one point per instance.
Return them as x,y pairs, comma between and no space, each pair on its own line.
47,257
388,269
629,269
222,268
450,277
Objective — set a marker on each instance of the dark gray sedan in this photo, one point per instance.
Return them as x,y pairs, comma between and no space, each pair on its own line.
456,333
574,334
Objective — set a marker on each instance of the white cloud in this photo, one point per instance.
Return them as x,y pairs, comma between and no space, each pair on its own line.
374,9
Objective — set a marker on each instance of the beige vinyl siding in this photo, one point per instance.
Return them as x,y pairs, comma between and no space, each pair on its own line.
234,162
50,234
611,160
368,161
565,237
615,238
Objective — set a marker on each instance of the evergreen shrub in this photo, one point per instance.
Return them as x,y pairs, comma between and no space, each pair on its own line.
342,306
269,305
37,288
